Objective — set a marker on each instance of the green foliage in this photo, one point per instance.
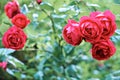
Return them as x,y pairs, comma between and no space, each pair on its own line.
46,56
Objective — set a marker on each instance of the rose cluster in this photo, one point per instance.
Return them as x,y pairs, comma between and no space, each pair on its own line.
14,37
95,29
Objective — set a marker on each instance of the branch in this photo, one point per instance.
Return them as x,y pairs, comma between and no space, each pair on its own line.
52,21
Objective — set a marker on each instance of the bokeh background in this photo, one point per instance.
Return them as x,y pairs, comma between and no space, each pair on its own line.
46,56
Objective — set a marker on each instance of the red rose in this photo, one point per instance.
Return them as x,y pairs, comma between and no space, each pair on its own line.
14,38
103,49
71,33
38,1
90,29
3,65
11,9
20,20
107,20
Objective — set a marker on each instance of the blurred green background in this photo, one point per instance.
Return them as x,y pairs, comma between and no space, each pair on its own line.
46,56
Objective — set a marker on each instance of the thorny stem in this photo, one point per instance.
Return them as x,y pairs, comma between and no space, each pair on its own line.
52,21
53,28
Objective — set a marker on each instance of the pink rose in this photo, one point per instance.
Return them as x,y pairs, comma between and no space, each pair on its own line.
20,20
103,49
71,33
3,65
107,20
39,1
14,38
11,9
90,29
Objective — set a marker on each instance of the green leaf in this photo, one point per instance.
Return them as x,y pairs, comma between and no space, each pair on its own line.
117,1
116,39
46,6
64,9
15,62
6,51
39,75
117,31
30,71
92,5
10,71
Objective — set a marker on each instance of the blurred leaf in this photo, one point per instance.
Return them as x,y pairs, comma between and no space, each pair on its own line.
116,39
6,51
46,6
117,1
15,62
117,31
11,72
93,5
39,75
69,49
24,9
30,71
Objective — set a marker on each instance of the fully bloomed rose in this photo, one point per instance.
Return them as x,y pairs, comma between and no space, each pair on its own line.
20,20
11,9
107,20
71,33
14,38
3,65
90,29
103,49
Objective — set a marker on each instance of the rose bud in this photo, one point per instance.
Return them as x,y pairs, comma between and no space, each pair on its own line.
3,65
39,1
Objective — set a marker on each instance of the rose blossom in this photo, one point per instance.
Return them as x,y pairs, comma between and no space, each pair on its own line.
107,20
20,20
38,1
11,9
3,65
14,38
90,29
71,33
103,49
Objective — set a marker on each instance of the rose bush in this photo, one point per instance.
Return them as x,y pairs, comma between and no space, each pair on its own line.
14,38
46,56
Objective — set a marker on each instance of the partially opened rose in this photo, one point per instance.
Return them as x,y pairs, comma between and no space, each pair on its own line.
3,65
20,20
71,33
107,20
11,9
103,49
90,29
14,38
